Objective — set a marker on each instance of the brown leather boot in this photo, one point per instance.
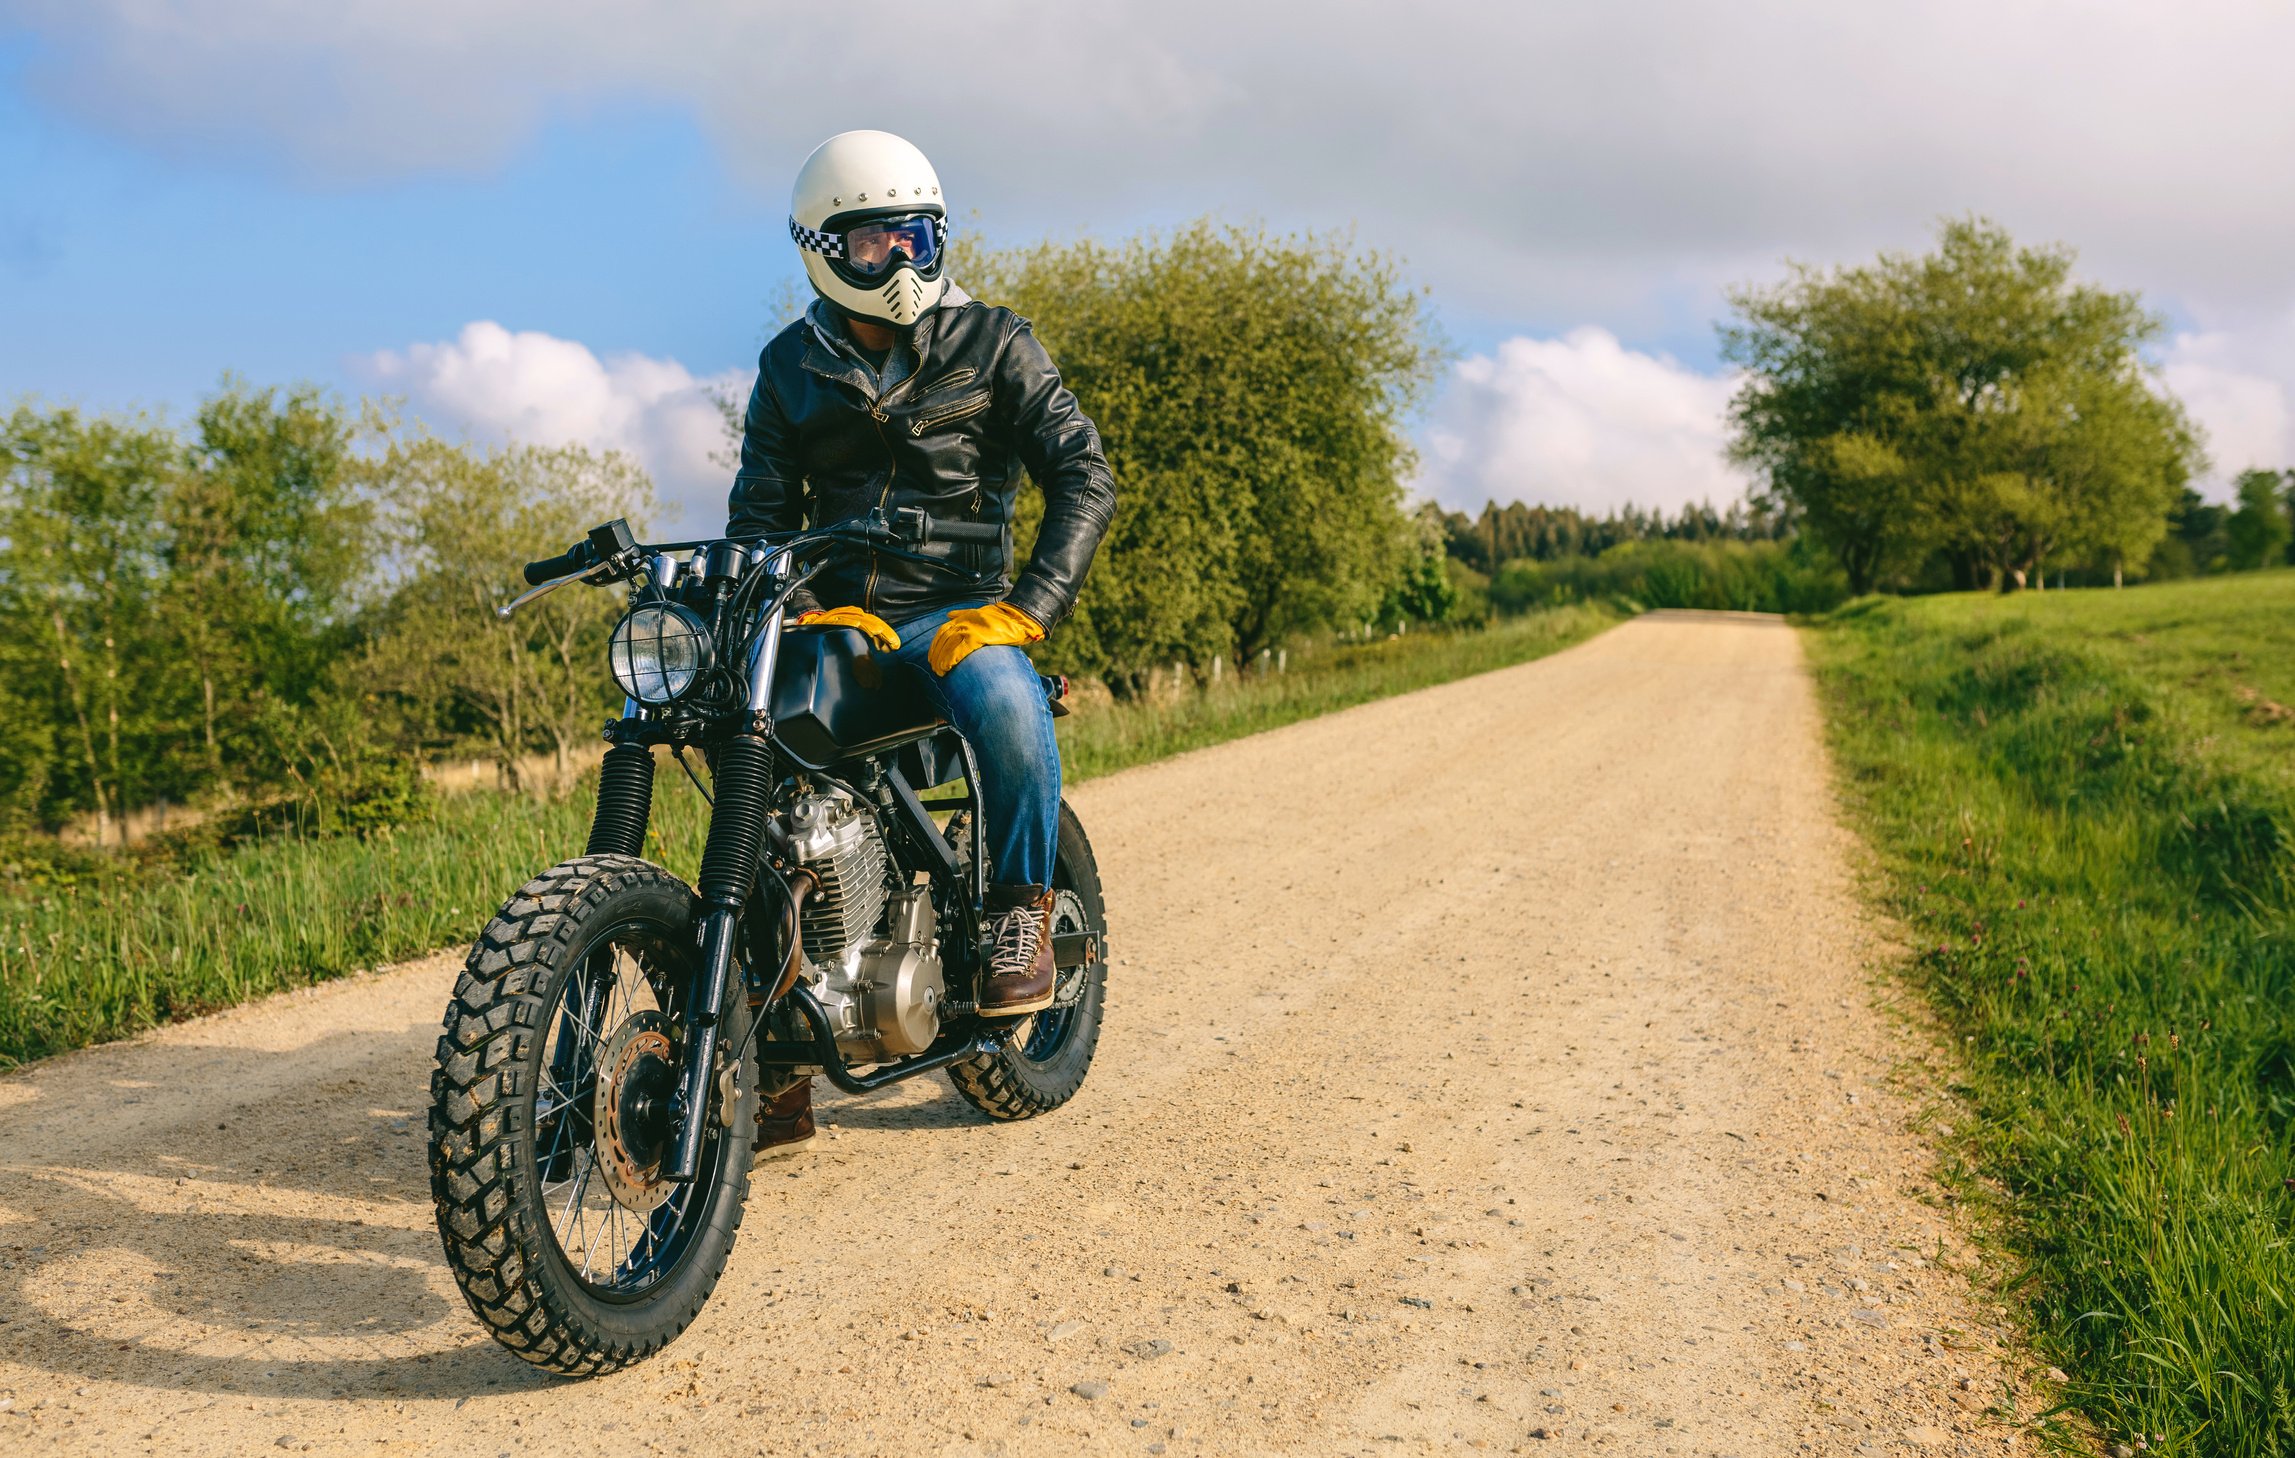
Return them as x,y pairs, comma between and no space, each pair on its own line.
1021,977
785,1121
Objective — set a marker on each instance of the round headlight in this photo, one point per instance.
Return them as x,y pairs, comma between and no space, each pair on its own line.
658,651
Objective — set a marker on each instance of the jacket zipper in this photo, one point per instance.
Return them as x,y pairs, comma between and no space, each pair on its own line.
892,468
952,379
970,405
869,588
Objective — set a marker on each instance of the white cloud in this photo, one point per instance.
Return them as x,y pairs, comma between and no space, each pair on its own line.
2240,388
537,388
1536,160
1578,421
1539,163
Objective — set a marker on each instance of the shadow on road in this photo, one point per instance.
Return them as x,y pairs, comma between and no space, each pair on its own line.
924,1103
234,1235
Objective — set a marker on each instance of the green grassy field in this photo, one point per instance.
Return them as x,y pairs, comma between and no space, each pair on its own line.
83,963
2082,805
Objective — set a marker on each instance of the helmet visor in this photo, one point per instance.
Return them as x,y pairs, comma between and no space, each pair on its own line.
874,249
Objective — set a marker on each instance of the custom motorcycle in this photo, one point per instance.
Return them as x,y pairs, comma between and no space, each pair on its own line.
615,1031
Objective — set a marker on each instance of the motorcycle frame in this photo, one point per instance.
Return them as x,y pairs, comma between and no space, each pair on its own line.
916,844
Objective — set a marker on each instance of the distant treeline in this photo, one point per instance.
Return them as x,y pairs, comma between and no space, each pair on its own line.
1513,558
2256,530
1972,417
1503,534
1509,558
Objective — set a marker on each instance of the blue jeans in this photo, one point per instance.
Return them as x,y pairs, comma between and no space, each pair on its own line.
996,700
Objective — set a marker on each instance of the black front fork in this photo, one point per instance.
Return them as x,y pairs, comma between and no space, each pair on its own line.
744,787
625,801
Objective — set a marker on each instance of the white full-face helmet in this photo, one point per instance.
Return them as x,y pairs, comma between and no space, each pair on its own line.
868,217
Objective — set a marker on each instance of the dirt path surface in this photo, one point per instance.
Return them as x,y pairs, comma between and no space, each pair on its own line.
1498,1067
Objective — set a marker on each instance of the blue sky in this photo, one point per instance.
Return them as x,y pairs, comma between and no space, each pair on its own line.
132,276
549,220
135,277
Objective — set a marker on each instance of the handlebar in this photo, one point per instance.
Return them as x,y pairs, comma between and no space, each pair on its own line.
986,533
577,558
611,545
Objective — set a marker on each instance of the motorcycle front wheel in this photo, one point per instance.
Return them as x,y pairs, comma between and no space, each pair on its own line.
552,1111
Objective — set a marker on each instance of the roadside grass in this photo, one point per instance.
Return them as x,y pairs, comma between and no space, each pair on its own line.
2082,804
1333,678
82,963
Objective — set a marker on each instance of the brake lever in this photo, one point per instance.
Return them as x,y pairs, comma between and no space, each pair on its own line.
540,589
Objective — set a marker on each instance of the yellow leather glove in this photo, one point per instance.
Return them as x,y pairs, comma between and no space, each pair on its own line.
970,628
874,628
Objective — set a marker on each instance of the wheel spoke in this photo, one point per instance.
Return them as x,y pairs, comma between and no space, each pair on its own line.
581,1182
558,1136
611,1245
589,1247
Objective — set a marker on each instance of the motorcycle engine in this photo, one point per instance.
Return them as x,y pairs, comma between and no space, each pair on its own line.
836,838
872,945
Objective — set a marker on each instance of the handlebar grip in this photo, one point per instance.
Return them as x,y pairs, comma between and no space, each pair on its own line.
573,559
987,533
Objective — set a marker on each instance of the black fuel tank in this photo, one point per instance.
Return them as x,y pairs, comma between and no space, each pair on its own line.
833,701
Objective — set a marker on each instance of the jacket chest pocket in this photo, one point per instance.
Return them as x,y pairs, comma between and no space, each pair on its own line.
948,412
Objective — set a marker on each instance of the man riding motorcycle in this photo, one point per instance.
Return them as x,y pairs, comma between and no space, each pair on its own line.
898,390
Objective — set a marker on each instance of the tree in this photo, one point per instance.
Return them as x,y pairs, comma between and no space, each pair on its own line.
2258,530
1251,392
273,612
462,520
266,536
79,517
2197,539
1975,400
170,603
1424,592
2288,500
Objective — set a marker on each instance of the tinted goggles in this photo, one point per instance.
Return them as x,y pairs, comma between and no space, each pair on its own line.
872,249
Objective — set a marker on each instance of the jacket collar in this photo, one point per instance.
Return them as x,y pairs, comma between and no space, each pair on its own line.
830,353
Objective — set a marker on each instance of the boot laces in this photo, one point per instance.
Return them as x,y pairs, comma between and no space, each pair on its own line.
1016,933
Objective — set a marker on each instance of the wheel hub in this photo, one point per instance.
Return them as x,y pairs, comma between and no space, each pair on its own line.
637,1083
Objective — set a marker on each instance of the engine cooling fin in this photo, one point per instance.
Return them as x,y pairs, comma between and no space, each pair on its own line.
845,910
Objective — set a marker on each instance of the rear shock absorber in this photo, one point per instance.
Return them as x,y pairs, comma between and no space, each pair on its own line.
744,786
625,802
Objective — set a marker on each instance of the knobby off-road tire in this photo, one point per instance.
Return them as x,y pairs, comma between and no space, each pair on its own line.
1045,1061
487,1176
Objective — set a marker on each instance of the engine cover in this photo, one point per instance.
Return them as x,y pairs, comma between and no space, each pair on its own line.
883,998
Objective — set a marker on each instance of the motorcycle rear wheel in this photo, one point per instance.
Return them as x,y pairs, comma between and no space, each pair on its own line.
550,1115
1044,1062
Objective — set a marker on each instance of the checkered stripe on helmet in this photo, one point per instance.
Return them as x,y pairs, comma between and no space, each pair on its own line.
832,245
813,240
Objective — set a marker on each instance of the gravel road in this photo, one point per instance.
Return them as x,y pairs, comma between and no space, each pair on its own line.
1496,1068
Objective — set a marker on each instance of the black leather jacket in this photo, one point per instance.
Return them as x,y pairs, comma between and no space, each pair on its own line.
983,403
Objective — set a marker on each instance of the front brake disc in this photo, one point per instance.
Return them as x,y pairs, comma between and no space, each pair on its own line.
638,1058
